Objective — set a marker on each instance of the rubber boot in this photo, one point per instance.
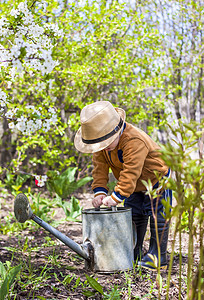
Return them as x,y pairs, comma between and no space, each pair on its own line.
141,222
163,230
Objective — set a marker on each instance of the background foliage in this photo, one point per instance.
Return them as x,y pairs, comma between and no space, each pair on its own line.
145,57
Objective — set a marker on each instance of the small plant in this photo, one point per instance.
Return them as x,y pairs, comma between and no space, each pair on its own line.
72,209
41,206
7,277
128,283
113,293
95,285
8,226
15,182
67,281
65,184
188,187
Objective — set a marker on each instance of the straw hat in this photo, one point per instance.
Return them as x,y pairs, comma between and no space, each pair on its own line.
101,124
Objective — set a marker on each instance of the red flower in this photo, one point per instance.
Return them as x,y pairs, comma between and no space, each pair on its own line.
36,182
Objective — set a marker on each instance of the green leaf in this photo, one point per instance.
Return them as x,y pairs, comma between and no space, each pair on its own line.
8,281
94,284
69,174
72,209
22,52
2,271
65,184
88,293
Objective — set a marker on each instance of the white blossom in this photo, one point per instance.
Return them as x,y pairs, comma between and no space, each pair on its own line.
41,183
50,81
14,12
35,30
30,107
38,112
43,5
4,56
40,86
41,179
19,42
15,110
11,125
28,18
51,110
53,119
21,126
23,7
12,73
55,29
3,21
3,31
38,123
9,83
46,125
9,114
3,98
18,66
2,103
15,51
44,177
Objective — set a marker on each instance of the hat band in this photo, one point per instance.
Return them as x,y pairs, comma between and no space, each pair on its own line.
105,137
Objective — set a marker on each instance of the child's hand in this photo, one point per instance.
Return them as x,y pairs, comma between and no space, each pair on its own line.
108,201
98,200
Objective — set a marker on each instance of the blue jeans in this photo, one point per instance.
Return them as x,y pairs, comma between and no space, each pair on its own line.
141,203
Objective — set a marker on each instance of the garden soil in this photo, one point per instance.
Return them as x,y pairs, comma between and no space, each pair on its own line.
51,270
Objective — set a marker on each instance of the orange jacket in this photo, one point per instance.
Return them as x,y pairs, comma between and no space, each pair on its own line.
135,158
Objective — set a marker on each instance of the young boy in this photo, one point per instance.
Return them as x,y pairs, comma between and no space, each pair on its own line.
133,157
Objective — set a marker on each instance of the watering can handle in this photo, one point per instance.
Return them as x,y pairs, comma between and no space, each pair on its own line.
114,208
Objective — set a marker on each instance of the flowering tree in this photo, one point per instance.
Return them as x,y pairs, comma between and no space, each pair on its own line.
26,46
104,52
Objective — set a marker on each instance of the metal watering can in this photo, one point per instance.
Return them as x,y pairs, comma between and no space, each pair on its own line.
107,236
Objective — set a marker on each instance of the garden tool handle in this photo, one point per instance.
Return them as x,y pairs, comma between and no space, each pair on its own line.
114,208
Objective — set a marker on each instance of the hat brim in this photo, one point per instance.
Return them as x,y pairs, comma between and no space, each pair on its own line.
92,148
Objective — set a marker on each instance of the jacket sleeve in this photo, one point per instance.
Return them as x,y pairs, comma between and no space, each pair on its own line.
135,152
100,174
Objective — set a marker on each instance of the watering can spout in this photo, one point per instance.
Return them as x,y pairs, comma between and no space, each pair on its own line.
23,212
